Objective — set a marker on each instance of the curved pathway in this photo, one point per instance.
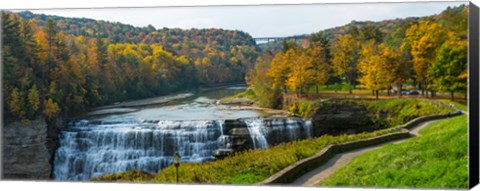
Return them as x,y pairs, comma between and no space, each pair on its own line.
322,172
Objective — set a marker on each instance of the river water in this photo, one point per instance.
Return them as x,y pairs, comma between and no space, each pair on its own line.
148,138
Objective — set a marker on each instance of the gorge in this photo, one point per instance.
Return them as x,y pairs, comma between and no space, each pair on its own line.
147,139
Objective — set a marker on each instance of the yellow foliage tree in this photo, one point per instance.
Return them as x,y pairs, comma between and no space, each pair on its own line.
279,70
301,74
344,58
50,108
16,104
33,100
423,40
319,65
374,68
398,64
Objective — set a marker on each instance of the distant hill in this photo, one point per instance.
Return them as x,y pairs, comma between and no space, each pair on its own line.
450,17
189,42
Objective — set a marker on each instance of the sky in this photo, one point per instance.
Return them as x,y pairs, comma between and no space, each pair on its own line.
257,20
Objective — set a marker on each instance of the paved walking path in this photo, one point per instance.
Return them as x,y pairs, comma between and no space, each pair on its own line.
322,172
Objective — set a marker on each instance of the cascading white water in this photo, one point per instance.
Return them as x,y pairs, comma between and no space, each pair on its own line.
93,148
280,129
257,129
90,149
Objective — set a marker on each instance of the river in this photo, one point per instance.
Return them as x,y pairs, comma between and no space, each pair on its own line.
147,138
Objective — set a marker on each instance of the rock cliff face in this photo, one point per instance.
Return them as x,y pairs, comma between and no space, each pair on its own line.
260,133
341,117
24,151
239,135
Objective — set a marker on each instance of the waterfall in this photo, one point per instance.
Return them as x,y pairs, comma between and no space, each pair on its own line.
90,148
256,128
268,131
93,148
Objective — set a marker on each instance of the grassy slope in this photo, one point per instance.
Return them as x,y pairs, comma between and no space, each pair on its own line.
458,105
437,159
247,167
401,111
254,166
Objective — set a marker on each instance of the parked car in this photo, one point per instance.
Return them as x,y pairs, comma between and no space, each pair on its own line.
413,92
410,92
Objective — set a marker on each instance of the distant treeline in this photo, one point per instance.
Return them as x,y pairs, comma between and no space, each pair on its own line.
429,53
55,65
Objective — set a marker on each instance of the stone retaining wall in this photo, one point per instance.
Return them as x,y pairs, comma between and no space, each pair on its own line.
422,119
301,167
293,171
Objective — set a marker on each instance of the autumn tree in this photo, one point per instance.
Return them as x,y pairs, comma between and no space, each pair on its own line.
18,59
398,66
258,79
373,67
398,57
344,58
317,56
33,101
280,69
449,71
301,74
16,104
50,108
424,40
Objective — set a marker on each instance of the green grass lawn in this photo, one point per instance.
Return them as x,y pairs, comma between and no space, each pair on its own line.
458,105
248,167
436,159
400,111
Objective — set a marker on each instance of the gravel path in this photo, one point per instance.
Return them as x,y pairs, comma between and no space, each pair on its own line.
322,172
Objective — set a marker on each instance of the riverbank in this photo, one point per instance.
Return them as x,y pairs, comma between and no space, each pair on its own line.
255,107
147,102
133,106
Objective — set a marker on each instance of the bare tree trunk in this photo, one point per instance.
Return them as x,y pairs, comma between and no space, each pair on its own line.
376,94
422,87
451,96
399,90
350,89
425,88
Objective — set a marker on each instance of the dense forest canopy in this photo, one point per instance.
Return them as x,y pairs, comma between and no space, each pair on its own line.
64,66
55,65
